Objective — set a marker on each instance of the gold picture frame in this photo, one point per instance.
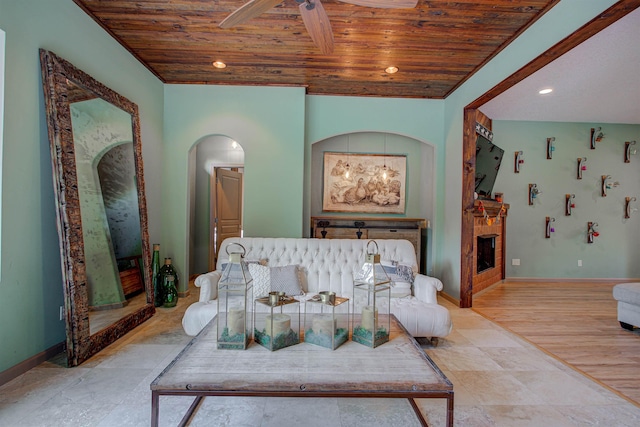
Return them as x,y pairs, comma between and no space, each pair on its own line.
364,183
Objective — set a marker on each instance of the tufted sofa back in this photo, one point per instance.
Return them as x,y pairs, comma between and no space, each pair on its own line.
328,264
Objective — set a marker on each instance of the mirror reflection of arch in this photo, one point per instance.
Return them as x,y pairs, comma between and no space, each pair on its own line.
99,127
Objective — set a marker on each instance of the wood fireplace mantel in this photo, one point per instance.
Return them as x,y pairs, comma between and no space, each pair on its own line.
489,220
491,206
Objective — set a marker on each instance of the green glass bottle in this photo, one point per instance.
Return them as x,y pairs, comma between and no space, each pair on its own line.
158,299
170,291
165,271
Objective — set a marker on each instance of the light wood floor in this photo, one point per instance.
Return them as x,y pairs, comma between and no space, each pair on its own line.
575,322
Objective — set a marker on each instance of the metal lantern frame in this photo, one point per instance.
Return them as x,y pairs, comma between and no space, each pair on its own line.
235,295
274,328
326,311
371,318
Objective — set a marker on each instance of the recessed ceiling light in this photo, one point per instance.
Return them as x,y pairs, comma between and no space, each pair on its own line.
391,70
219,64
545,91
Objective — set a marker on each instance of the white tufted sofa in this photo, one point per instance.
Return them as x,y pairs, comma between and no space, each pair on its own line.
329,265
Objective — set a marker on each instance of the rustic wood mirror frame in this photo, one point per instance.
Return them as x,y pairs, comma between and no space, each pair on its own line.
56,75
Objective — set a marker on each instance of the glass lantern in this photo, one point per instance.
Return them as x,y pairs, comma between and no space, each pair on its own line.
276,321
326,320
371,302
235,293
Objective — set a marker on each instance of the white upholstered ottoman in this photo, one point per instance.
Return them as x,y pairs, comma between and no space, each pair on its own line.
628,297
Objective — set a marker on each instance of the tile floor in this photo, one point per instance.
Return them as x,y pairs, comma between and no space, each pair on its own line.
499,380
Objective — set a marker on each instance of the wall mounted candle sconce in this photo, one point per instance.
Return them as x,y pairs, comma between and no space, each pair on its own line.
569,204
607,185
518,161
548,228
533,192
581,166
591,231
550,147
596,136
627,206
629,151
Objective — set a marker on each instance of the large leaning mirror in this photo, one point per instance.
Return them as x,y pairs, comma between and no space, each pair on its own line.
98,179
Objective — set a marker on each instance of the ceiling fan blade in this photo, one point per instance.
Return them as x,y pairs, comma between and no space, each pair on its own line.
317,22
249,10
384,4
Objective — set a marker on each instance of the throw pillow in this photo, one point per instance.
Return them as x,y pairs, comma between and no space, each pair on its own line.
283,279
261,281
392,272
405,272
401,272
401,290
286,279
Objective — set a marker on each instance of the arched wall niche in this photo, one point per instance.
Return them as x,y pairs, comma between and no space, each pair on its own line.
420,185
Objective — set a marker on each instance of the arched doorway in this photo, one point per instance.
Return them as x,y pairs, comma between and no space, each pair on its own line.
209,155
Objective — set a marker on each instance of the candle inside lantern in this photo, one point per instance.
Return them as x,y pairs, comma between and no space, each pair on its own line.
369,317
277,324
235,321
324,324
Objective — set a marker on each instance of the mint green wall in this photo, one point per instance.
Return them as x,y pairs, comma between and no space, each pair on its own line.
31,282
276,126
269,125
565,18
614,253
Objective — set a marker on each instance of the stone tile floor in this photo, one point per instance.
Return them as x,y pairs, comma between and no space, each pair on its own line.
499,380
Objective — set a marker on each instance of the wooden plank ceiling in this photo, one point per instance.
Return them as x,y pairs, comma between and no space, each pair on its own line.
437,45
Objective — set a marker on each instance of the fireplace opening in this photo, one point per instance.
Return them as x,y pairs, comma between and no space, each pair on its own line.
486,258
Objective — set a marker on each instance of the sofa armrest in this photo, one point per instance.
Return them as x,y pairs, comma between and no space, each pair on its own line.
208,284
425,288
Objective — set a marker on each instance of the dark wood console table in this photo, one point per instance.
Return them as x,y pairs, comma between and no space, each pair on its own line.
340,227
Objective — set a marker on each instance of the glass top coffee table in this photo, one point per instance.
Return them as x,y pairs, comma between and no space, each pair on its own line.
396,369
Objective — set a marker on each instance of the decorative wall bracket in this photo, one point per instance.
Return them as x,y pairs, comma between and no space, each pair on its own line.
596,136
533,192
607,184
518,161
550,147
548,228
627,206
629,151
486,133
569,204
591,231
323,225
581,166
